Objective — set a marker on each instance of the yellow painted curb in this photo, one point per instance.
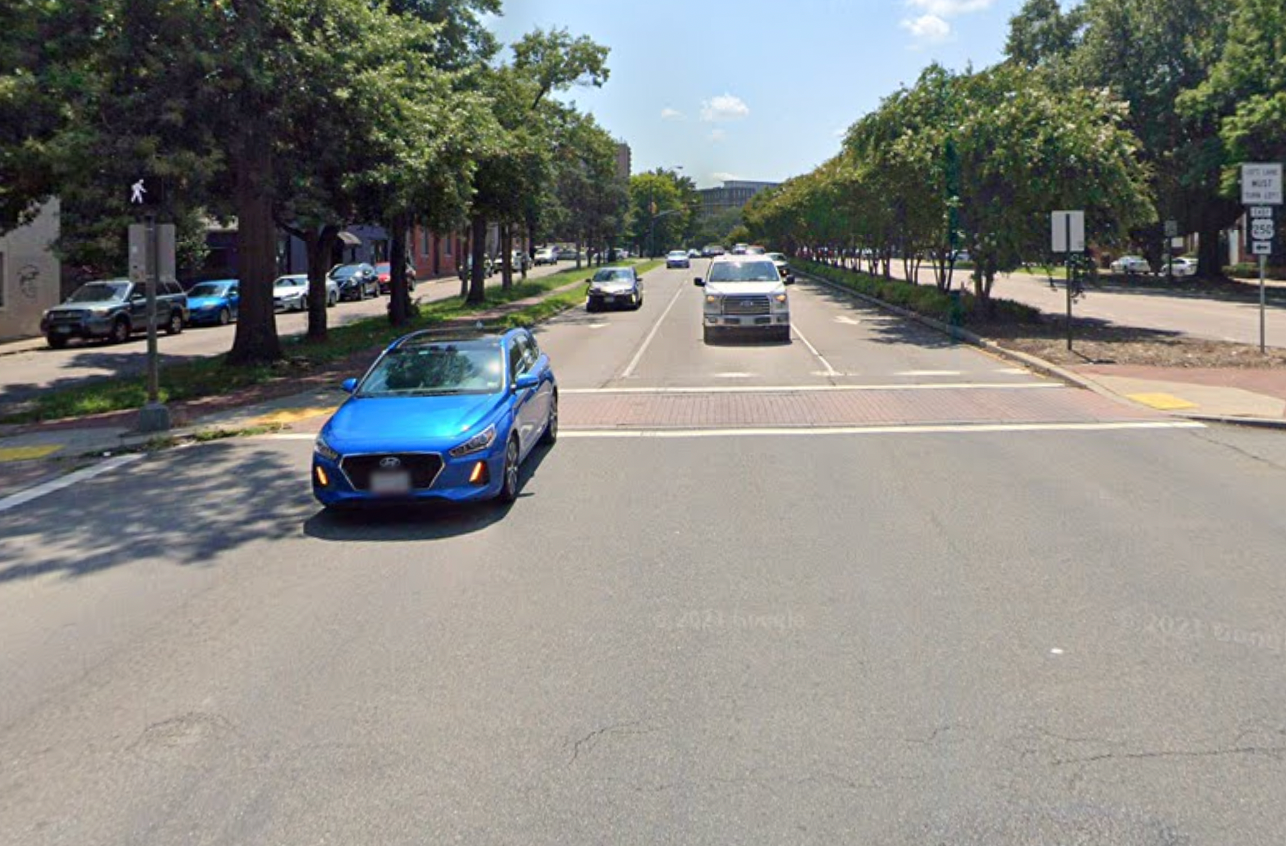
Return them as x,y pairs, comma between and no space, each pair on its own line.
27,453
291,415
1162,402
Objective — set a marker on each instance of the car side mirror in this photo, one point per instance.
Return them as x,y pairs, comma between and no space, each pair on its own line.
349,385
699,282
526,381
790,279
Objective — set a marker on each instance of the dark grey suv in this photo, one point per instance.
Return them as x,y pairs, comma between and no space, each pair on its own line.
113,309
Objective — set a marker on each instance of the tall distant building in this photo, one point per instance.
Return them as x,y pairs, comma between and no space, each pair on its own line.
624,163
731,197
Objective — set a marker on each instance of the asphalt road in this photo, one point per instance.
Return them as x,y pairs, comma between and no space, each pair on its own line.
23,374
742,628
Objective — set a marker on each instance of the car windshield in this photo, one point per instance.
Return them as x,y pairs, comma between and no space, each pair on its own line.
614,275
209,289
744,271
344,272
678,254
776,257
290,282
97,292
434,369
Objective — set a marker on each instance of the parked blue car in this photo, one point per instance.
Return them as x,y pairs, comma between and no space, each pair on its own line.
439,417
214,303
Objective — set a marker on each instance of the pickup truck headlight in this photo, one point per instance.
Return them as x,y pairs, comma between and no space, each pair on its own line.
477,443
324,449
781,298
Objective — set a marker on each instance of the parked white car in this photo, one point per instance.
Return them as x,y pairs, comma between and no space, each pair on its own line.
1183,267
1130,265
290,293
546,255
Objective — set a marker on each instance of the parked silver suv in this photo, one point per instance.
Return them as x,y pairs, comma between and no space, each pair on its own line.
113,309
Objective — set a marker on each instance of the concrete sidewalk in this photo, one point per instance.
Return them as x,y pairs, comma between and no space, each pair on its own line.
31,454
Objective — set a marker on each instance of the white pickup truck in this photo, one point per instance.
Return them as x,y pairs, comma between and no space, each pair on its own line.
745,293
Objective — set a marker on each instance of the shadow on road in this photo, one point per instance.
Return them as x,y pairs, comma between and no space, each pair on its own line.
401,522
184,506
884,327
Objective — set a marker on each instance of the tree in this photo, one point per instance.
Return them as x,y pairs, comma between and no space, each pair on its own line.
1149,53
1042,35
660,211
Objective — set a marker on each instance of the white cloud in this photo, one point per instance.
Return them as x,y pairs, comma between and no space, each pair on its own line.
671,114
949,8
927,29
725,107
718,135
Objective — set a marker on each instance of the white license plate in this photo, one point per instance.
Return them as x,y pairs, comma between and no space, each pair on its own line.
390,483
62,330
609,299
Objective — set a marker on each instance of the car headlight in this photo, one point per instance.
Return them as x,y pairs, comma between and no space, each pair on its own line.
477,443
324,449
781,298
711,299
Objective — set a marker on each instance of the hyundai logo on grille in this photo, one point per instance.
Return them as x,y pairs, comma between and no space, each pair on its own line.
391,463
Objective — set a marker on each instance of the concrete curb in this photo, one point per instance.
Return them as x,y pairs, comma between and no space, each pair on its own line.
1035,363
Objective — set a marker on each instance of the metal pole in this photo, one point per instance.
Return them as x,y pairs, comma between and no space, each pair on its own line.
1067,283
1263,303
153,282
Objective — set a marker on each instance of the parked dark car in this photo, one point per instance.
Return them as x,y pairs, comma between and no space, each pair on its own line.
356,281
113,309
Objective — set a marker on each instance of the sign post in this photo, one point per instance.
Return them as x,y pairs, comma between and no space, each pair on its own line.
1067,234
148,259
1171,230
1261,189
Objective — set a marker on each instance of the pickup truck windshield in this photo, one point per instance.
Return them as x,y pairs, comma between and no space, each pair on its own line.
748,271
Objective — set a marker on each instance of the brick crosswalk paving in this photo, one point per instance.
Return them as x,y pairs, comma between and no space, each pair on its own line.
881,407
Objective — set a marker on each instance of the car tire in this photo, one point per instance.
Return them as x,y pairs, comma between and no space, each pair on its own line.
550,436
591,306
56,342
509,474
120,331
225,317
332,300
707,334
782,334
303,304
175,324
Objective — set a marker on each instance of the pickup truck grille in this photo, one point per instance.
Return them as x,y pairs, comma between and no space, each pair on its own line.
66,318
746,305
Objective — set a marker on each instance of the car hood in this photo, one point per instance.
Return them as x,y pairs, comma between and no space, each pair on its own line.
206,302
88,306
733,289
403,423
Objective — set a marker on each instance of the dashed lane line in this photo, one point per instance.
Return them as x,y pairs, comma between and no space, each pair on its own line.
647,342
830,371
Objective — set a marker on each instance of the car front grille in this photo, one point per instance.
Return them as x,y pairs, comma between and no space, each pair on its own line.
66,318
423,468
746,305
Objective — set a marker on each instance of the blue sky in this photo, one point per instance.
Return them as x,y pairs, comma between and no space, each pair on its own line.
757,89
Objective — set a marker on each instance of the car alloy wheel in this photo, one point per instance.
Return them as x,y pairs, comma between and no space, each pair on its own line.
509,487
120,331
225,317
551,425
175,326
56,342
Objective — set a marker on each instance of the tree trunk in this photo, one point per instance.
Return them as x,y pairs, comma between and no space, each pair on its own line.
462,269
506,257
256,341
399,291
320,245
478,255
1210,259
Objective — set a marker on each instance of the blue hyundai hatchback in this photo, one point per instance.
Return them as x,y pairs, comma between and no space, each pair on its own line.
439,417
214,303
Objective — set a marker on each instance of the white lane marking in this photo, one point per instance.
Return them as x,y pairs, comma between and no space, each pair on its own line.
597,326
830,371
1014,371
54,485
284,436
846,320
734,375
950,429
638,356
930,373
796,389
